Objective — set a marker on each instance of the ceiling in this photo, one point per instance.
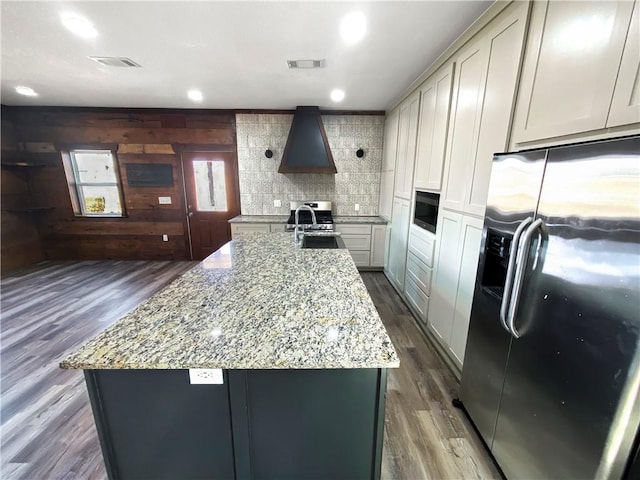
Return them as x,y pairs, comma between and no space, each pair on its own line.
234,52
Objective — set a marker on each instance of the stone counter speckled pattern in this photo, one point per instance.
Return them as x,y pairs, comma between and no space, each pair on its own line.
259,302
283,219
260,219
372,220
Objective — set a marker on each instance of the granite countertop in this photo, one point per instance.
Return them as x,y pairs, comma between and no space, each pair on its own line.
259,302
260,219
349,219
283,219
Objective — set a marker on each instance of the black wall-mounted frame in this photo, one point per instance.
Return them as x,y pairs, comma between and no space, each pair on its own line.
149,174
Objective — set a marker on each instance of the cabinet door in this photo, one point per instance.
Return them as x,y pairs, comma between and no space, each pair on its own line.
433,123
378,238
444,285
389,154
471,236
625,106
390,147
386,194
504,41
468,85
240,228
573,54
407,136
398,242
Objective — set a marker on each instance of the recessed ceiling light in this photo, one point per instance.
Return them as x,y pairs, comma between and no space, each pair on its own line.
337,95
28,91
195,95
353,27
78,25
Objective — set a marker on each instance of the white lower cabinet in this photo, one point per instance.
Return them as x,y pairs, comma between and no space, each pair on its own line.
240,228
417,286
378,242
398,242
417,298
365,242
457,253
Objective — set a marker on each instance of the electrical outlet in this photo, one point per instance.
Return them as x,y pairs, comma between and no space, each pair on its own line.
205,376
277,203
164,200
165,238
357,207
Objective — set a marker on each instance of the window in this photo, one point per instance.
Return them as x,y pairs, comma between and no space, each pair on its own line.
211,190
93,183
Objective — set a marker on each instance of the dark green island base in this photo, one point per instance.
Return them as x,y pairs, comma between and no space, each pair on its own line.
259,424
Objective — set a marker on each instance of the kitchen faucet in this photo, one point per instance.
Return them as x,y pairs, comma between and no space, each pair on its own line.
296,239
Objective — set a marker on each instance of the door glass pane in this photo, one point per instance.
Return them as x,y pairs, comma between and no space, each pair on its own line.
211,191
101,200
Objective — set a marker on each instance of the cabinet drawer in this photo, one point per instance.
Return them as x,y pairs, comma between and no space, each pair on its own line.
357,242
419,273
418,300
240,228
360,258
353,229
421,244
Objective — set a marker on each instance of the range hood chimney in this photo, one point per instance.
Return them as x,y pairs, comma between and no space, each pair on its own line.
307,149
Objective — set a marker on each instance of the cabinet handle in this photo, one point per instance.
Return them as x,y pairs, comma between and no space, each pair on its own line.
513,253
519,276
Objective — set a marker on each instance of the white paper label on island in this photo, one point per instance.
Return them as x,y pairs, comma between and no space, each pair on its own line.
205,376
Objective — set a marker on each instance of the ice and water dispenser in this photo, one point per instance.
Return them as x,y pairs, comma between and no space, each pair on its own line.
496,259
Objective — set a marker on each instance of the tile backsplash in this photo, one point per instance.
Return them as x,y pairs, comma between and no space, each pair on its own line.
357,180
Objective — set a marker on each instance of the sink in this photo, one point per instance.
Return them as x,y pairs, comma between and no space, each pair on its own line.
322,241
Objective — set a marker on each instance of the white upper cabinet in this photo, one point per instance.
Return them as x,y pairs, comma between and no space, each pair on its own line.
466,105
390,147
389,154
625,106
483,98
433,123
407,135
572,60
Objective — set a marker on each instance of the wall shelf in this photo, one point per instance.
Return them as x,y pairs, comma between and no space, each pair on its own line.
30,210
22,165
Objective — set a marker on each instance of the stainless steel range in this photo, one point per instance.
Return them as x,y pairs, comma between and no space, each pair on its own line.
322,212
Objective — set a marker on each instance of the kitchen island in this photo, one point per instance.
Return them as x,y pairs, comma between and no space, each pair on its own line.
295,357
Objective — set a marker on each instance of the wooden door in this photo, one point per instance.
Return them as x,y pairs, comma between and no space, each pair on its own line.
213,197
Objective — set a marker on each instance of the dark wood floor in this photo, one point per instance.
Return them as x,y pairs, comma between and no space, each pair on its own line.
425,436
46,426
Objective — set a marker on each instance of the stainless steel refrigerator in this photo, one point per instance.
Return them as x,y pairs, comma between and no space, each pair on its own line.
551,374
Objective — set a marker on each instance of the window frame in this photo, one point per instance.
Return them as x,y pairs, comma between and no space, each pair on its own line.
75,185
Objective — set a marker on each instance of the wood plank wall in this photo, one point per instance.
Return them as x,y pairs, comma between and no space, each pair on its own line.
141,136
20,243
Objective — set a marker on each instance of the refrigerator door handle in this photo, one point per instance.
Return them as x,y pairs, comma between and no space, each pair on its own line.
506,296
523,251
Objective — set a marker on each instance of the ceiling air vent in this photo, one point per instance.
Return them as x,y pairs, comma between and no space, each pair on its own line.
306,63
115,61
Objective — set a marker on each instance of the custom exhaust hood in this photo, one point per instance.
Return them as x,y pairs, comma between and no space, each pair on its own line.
307,149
